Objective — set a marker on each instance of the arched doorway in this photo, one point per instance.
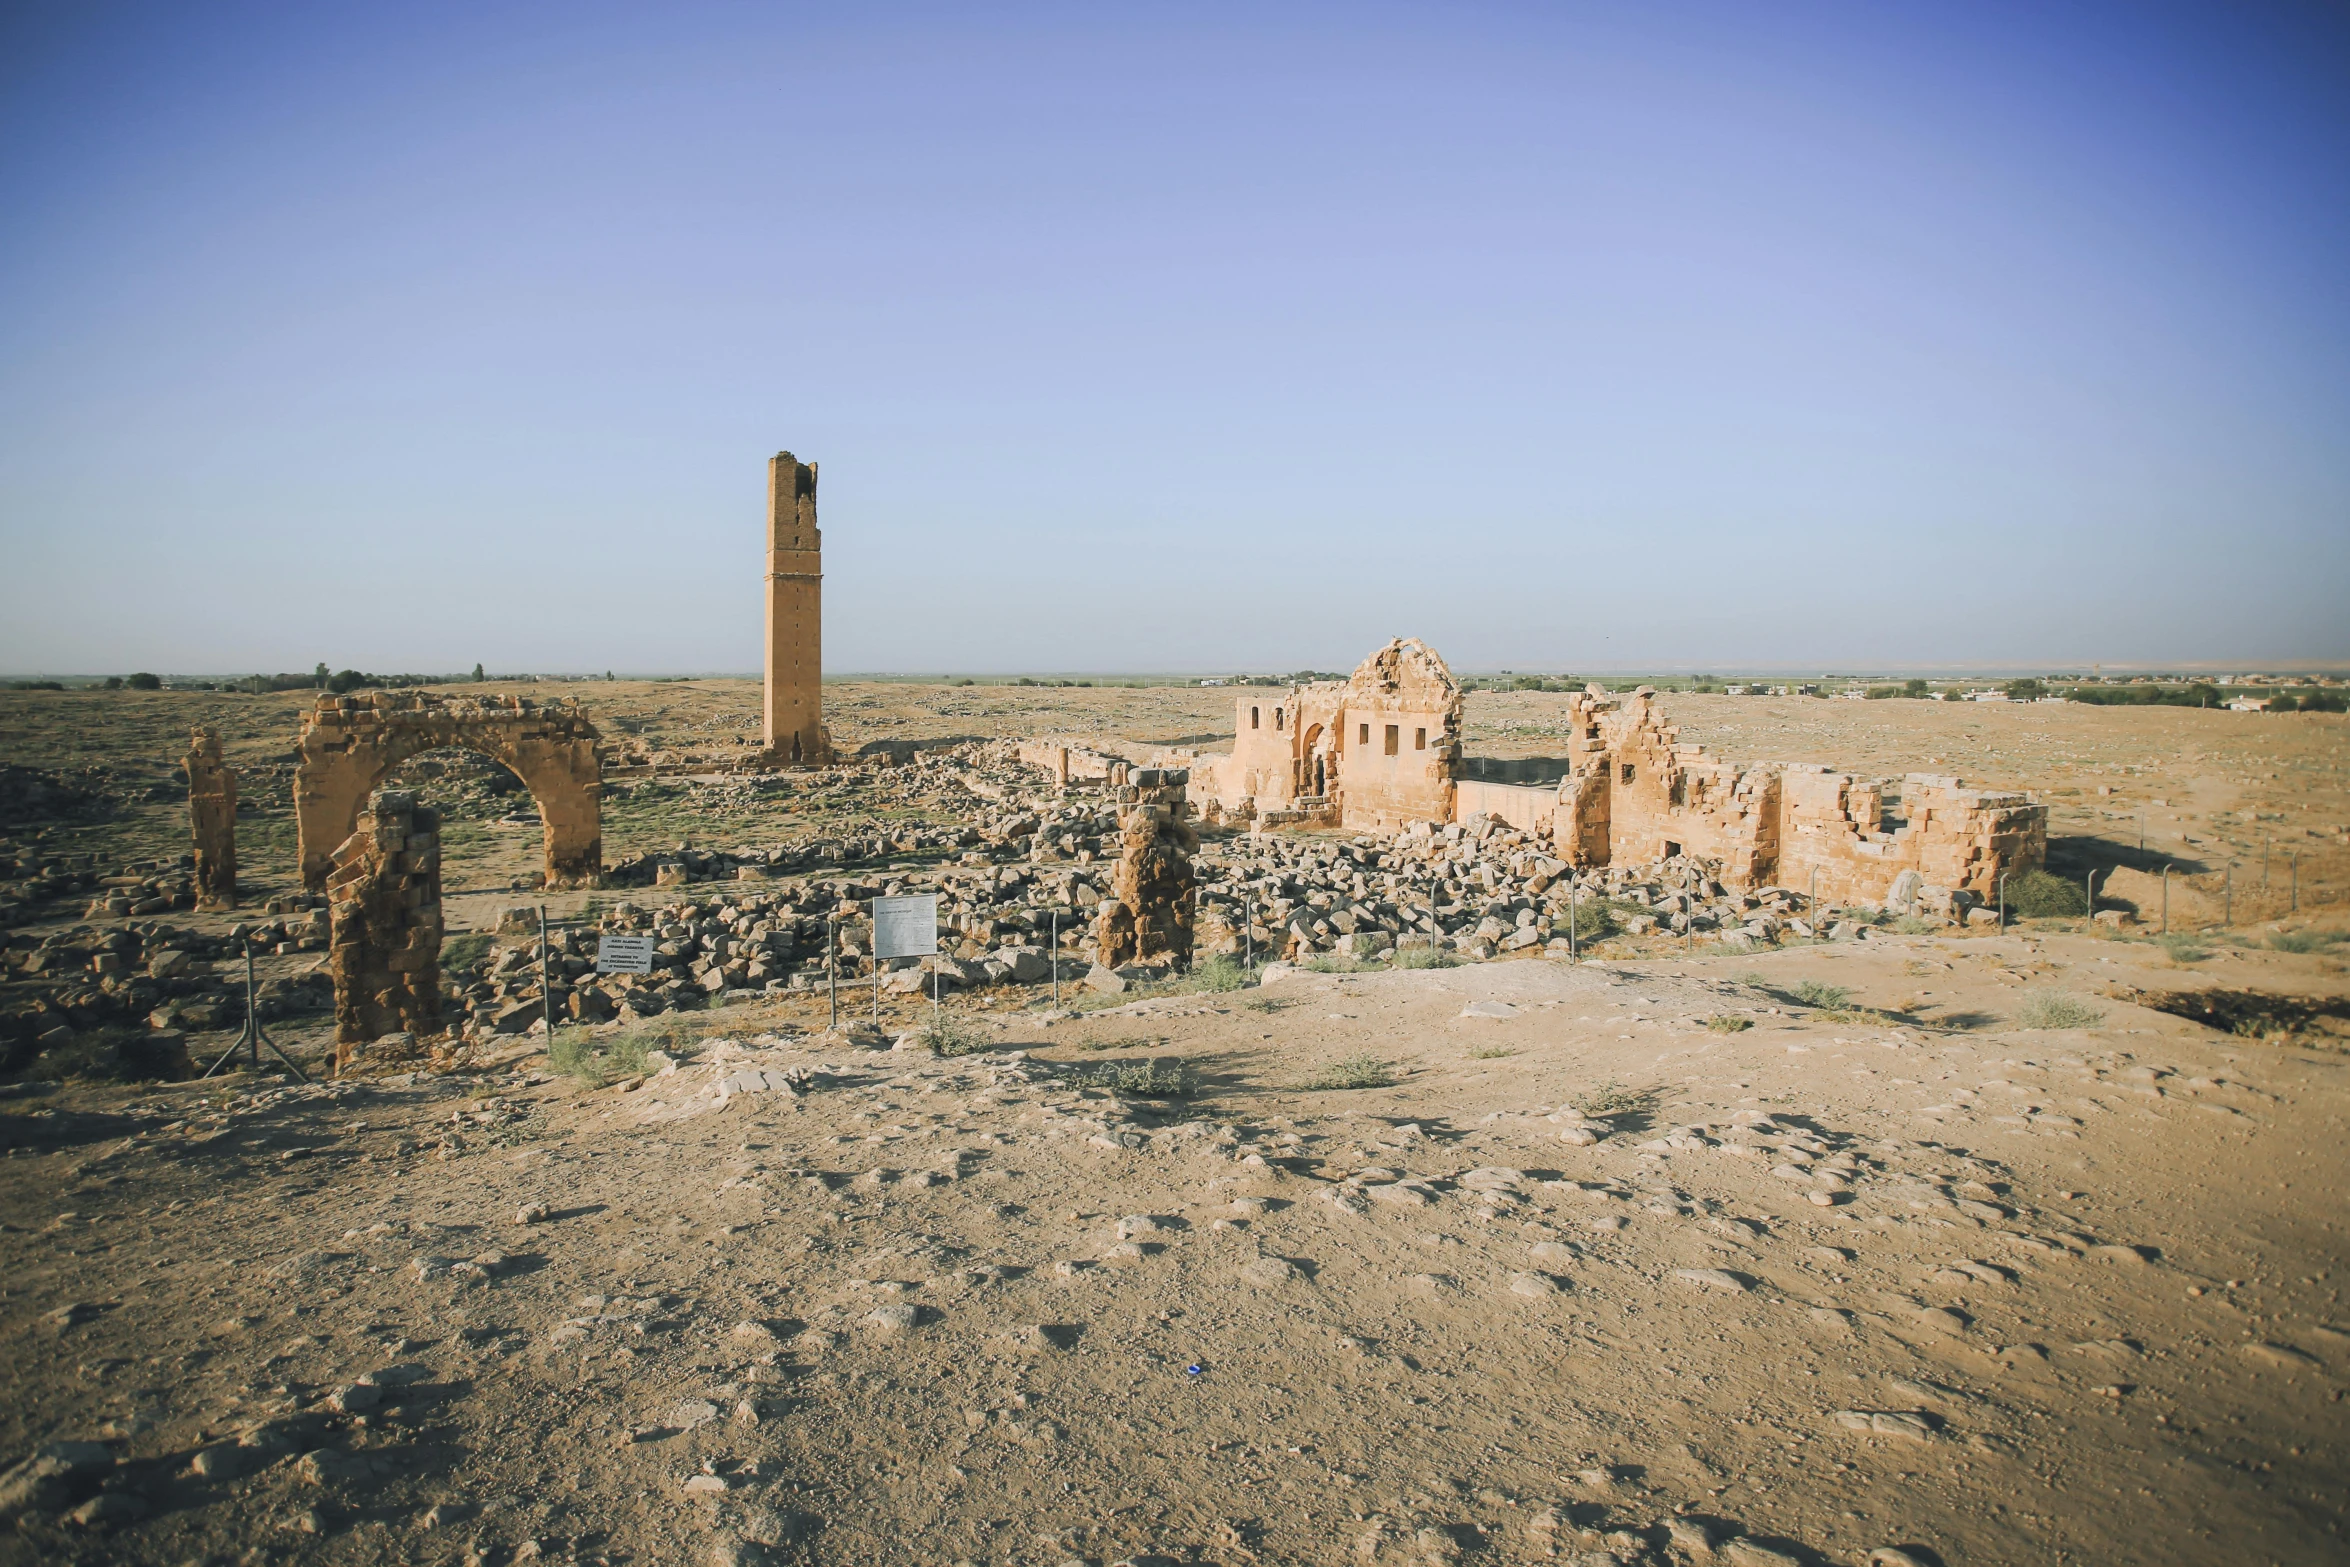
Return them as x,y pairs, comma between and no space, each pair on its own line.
351,744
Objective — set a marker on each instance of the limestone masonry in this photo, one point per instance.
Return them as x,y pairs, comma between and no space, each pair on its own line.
350,744
1382,749
212,818
795,616
385,943
1148,916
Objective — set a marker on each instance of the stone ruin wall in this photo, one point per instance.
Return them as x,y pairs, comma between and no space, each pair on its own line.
1071,761
350,744
212,820
1637,794
384,943
1148,915
1332,740
1629,791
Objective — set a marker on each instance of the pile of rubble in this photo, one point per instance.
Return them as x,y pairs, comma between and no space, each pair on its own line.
973,799
149,976
1481,888
140,888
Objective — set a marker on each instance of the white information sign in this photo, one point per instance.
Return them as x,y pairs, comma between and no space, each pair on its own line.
905,927
624,954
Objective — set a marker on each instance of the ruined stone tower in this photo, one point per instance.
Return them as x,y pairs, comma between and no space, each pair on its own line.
795,615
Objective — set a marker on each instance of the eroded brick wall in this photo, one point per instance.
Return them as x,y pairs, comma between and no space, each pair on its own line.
384,897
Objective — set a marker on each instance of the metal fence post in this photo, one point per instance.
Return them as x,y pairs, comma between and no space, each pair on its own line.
546,984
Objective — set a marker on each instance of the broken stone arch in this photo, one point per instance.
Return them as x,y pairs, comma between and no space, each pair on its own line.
350,744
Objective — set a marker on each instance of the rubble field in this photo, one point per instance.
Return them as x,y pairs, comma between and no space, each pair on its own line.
1749,1233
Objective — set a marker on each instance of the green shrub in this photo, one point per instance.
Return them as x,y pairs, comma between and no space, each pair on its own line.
1726,1024
2185,949
1364,1071
1425,957
2040,895
2047,1009
1334,963
1916,925
1491,1053
143,681
1816,993
947,1035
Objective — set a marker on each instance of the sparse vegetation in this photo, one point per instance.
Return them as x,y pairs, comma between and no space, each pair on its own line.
1363,1071
2041,895
1425,957
2305,941
1218,975
1611,1098
2184,949
2051,1009
948,1035
1818,993
1334,963
1728,1024
1152,1079
1491,1053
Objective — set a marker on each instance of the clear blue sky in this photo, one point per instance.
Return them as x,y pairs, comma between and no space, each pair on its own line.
1176,337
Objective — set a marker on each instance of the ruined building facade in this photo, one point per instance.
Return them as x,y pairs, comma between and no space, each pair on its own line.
795,730
1382,749
1375,750
212,820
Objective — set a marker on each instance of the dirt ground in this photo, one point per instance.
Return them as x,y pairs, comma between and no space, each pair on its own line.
1647,1259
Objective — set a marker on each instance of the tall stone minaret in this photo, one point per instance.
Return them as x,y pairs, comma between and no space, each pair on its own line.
795,615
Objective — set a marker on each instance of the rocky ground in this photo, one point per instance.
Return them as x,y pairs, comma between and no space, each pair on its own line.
1725,1244
1631,1262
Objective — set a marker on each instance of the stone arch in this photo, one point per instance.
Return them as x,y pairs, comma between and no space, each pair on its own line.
351,744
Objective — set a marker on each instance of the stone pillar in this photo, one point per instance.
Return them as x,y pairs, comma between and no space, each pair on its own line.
1148,915
795,615
212,817
385,893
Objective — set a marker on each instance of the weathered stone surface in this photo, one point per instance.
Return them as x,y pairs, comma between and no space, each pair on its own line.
1148,915
1381,750
795,732
212,818
350,744
384,887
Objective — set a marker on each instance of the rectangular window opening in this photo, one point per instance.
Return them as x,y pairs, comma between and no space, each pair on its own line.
1252,718
1394,738
1276,718
1627,772
1365,737
1419,739
1671,848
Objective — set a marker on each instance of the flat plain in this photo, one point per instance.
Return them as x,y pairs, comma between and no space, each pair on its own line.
1554,1281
